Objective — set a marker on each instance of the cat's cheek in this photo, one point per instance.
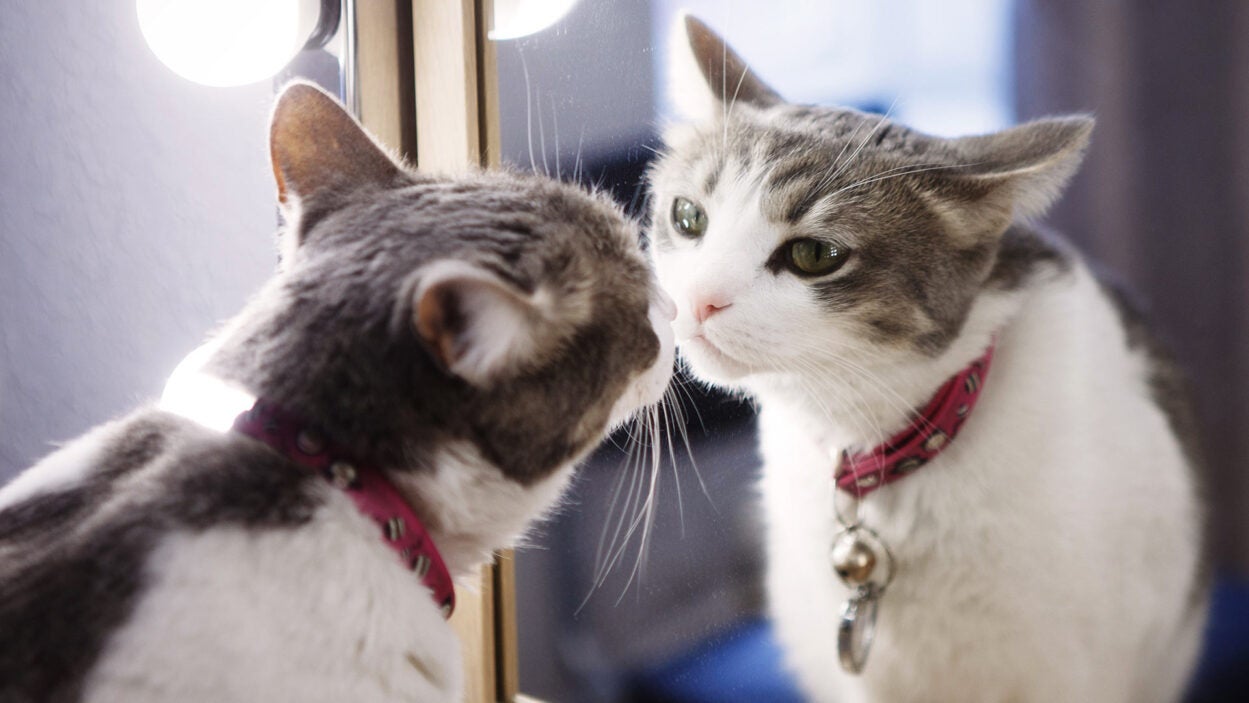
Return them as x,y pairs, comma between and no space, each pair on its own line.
711,365
648,387
635,397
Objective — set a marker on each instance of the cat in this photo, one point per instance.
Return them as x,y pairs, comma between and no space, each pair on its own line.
468,338
840,269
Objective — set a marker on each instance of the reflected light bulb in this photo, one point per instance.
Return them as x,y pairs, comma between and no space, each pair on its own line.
518,18
227,42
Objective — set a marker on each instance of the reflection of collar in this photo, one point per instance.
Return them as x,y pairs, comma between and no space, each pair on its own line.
931,431
373,494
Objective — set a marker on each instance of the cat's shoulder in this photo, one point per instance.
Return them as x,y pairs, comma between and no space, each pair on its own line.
1168,383
1027,255
155,461
78,528
1030,257
65,481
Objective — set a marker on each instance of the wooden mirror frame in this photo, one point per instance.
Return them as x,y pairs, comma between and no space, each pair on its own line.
426,84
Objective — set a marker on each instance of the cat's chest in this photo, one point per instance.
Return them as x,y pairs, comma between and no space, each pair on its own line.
799,465
962,506
321,611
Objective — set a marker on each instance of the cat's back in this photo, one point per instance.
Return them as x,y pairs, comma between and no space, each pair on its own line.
82,534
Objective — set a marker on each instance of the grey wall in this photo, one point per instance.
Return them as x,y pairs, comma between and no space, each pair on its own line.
136,211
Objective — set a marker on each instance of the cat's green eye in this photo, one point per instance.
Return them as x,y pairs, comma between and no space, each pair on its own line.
811,257
688,218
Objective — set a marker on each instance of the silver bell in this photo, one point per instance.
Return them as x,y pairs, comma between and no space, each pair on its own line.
853,558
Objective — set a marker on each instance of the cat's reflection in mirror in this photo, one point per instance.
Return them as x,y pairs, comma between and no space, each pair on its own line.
841,269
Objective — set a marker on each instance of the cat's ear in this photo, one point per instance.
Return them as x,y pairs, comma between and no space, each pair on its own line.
316,147
477,325
705,73
1022,170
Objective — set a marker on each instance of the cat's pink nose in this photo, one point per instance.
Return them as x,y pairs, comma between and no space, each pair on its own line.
704,309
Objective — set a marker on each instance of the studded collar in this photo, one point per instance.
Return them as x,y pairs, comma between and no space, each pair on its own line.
931,430
373,494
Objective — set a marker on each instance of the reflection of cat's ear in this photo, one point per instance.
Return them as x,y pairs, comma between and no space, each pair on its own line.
705,73
475,324
1025,168
316,146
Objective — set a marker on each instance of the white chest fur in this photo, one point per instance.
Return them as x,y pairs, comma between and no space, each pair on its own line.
1048,554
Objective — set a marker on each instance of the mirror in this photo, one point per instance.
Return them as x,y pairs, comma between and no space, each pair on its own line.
648,584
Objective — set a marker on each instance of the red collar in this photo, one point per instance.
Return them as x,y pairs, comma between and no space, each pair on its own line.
373,494
931,431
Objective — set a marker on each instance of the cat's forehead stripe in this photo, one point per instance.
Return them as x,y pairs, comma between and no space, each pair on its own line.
713,176
797,169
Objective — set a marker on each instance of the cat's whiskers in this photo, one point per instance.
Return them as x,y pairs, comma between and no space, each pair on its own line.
674,414
869,429
733,101
747,341
681,385
833,170
862,414
681,422
629,465
866,374
647,516
524,67
635,518
859,426
546,167
672,458
850,160
576,169
555,130
609,551
724,107
638,512
900,407
886,175
896,170
639,191
883,392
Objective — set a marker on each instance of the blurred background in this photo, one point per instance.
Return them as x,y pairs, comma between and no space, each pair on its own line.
137,212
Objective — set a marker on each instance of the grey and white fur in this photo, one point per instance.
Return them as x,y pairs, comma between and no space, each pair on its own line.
471,336
838,267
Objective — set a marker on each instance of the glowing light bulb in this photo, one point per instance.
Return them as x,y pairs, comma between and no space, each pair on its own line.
518,18
227,42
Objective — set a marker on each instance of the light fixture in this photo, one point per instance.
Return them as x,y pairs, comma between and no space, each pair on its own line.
234,42
518,18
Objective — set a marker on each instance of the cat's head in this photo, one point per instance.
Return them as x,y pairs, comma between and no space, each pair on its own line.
790,233
507,313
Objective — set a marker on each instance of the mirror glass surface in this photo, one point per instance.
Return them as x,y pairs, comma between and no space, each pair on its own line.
647,584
